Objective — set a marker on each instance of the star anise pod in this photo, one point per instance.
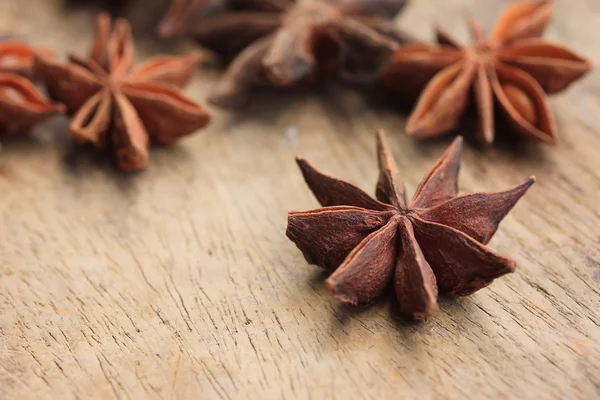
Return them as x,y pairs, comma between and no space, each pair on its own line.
435,242
119,108
513,67
282,43
21,104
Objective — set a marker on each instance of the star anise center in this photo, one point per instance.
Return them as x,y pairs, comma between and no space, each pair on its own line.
483,52
113,83
403,210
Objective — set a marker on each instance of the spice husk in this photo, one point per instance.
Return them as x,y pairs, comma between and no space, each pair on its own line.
513,68
434,243
122,109
285,43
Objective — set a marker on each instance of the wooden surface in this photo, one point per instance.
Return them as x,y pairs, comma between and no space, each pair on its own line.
180,283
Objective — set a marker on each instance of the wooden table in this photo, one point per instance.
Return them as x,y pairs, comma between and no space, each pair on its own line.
179,282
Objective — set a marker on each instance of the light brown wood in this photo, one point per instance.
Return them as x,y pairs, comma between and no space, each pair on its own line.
179,282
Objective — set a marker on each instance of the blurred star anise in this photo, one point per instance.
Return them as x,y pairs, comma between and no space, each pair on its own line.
282,43
513,66
435,242
120,108
21,104
18,57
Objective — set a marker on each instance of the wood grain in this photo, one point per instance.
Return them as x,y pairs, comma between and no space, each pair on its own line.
179,282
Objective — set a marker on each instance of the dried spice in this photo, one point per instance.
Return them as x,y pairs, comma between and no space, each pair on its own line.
434,243
282,43
119,108
514,67
21,104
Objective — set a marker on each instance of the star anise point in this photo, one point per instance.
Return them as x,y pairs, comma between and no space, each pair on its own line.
334,290
118,105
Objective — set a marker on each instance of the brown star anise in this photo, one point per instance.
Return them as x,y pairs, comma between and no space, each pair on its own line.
513,66
21,104
119,108
282,43
436,242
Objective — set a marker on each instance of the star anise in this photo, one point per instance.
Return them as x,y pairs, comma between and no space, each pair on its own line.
282,43
21,104
513,66
435,242
120,108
